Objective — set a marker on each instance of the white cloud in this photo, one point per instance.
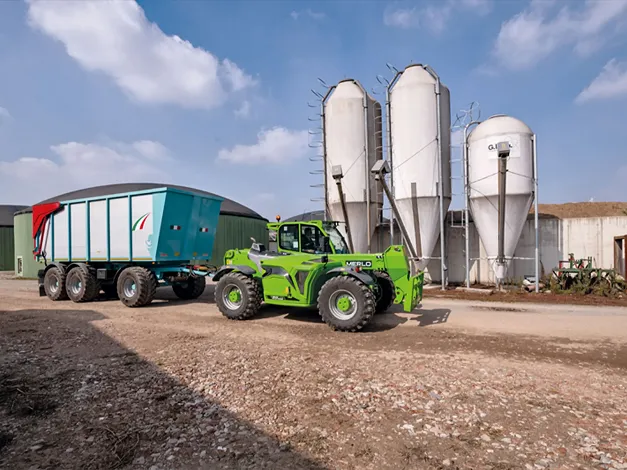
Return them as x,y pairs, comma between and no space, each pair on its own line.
116,38
610,83
535,33
315,15
244,110
5,116
151,149
78,165
274,145
433,17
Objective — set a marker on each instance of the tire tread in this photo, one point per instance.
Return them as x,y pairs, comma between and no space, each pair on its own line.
369,303
88,278
194,289
384,305
61,294
253,293
146,287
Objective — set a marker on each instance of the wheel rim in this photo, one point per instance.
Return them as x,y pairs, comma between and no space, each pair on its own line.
75,285
232,297
53,284
129,287
343,305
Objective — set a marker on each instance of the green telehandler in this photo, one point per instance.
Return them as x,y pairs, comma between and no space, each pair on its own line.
312,266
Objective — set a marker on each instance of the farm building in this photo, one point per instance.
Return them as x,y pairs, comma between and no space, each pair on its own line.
237,224
595,229
7,258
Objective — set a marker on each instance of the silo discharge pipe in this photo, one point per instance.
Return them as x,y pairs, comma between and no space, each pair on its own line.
502,149
337,174
379,170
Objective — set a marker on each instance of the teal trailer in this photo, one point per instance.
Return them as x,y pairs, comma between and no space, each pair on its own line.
125,244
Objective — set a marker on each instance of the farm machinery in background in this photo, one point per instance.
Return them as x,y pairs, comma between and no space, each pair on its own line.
580,275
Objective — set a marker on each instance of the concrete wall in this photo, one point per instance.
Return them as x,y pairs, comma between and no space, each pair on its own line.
584,237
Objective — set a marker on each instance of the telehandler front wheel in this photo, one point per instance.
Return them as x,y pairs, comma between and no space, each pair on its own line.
238,296
385,291
346,304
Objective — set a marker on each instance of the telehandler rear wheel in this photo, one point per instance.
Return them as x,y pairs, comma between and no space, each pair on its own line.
386,291
238,296
346,303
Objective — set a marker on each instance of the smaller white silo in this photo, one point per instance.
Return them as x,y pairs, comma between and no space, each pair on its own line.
483,183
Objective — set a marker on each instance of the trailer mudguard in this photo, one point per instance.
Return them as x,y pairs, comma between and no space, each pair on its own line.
224,270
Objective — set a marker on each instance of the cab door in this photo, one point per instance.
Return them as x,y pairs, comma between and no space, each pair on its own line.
288,238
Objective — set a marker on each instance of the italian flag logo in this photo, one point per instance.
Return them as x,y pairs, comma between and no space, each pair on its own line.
139,223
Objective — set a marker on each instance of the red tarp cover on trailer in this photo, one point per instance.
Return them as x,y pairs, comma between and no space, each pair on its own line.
40,212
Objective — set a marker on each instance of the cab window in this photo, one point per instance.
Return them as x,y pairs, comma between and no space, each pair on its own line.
288,238
310,238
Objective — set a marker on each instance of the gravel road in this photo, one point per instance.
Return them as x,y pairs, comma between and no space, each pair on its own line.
457,384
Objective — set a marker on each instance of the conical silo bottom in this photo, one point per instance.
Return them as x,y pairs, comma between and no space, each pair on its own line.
485,214
421,217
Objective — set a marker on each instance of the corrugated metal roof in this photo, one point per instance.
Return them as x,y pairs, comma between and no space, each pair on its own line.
229,206
6,214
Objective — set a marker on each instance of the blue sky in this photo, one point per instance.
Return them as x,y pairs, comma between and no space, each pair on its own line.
214,94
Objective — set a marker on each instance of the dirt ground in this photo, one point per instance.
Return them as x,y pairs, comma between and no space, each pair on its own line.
456,384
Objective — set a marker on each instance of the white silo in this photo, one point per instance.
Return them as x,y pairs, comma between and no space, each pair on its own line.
420,142
352,140
518,172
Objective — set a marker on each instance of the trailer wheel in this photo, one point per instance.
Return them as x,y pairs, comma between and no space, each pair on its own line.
110,291
137,286
54,284
81,284
386,291
238,296
346,304
190,289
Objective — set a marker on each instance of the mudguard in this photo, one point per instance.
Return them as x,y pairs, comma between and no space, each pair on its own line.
224,270
361,275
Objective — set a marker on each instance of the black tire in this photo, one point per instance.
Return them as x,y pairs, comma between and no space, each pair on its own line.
248,290
81,284
54,284
386,291
361,299
110,291
190,289
144,290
